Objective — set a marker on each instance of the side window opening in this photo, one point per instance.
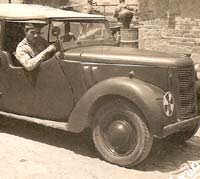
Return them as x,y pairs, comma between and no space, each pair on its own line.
11,33
14,33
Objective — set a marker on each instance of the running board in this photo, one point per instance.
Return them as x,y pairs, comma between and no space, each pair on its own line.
43,122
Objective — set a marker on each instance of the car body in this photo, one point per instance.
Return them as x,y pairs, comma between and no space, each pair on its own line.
125,95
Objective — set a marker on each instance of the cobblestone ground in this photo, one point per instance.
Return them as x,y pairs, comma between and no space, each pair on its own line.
34,152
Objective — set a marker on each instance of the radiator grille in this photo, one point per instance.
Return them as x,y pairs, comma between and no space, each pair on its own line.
187,94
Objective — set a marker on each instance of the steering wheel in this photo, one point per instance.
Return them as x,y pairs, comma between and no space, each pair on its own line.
68,37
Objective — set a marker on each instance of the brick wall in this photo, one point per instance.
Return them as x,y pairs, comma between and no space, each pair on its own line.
182,35
170,28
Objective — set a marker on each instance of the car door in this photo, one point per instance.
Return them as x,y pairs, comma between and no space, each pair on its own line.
43,93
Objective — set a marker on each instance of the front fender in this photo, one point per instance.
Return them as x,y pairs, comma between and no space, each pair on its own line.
146,97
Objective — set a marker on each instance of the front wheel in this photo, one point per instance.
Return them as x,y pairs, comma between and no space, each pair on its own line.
120,134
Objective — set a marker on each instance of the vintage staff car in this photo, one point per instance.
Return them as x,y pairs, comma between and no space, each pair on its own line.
126,96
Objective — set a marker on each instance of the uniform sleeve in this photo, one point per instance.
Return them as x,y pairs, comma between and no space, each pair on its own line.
28,62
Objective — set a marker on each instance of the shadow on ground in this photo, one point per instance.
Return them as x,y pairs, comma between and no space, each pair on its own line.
78,143
164,157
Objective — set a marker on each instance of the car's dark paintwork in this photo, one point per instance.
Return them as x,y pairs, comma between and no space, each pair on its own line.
130,56
70,85
99,66
74,73
43,93
80,72
131,89
125,95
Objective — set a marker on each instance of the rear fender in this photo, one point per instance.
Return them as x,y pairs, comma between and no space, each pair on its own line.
146,97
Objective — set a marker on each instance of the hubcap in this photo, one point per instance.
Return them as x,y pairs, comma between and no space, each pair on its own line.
120,136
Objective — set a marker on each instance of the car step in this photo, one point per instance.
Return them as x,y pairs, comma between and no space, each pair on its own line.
43,122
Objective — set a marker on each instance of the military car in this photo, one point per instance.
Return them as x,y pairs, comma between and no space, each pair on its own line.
125,96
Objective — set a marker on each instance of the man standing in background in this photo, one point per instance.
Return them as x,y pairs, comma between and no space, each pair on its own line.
123,14
88,8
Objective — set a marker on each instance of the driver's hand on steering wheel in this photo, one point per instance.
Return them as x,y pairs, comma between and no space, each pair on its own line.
50,51
51,48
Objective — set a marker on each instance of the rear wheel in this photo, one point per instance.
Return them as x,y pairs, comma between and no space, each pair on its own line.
120,135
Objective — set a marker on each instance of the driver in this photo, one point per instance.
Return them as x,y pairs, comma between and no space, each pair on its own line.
33,49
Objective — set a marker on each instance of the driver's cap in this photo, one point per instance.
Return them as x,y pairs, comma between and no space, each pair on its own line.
34,25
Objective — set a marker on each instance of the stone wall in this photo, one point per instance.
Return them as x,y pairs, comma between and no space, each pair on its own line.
170,26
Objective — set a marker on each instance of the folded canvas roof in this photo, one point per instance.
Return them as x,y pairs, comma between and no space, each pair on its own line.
29,11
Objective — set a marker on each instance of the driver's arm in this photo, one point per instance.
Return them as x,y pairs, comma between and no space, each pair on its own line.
31,63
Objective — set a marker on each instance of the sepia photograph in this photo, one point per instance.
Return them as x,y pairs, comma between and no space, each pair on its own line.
99,89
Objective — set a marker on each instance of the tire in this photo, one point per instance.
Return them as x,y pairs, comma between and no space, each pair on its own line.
120,135
182,136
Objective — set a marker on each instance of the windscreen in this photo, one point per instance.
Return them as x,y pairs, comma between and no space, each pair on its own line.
83,32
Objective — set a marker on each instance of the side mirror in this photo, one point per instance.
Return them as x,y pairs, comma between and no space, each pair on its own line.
55,31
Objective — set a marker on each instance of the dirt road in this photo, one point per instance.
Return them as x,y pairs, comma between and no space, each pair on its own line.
34,152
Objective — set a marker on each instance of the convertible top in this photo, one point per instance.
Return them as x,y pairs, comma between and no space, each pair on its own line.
22,12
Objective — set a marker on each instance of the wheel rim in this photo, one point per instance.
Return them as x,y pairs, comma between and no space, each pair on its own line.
119,135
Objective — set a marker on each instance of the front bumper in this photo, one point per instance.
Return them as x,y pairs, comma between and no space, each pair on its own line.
176,127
